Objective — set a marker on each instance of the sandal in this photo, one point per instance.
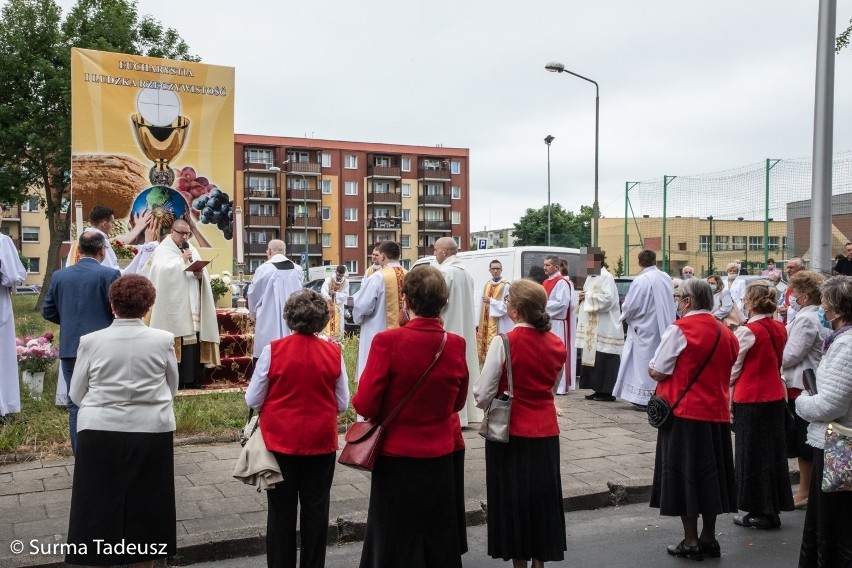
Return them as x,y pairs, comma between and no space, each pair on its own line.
683,551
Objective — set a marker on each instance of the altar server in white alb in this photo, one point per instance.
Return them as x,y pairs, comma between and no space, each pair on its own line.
12,273
559,306
648,309
600,335
493,316
458,316
274,282
335,292
378,305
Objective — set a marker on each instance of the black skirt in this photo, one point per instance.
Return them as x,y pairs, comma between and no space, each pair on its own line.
827,536
601,378
797,439
413,516
694,469
763,475
526,517
123,494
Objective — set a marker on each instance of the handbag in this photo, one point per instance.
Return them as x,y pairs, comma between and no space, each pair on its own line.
837,466
734,319
256,465
495,423
364,439
659,411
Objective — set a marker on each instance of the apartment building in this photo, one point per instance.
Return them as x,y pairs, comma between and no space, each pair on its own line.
330,201
26,225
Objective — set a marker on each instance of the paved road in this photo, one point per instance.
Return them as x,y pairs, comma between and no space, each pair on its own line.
632,536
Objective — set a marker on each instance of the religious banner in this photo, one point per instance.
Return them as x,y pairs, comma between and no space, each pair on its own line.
153,139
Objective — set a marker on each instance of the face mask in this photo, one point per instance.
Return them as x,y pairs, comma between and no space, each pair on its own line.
794,303
713,288
824,322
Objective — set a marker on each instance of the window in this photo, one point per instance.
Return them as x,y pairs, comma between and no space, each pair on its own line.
405,263
434,189
739,243
406,215
297,182
260,186
783,243
721,242
31,204
35,265
261,209
381,213
680,246
455,192
29,234
326,213
406,190
350,162
755,243
350,241
326,240
300,210
455,167
704,243
433,215
406,164
350,188
381,161
257,238
257,156
350,214
773,243
455,217
254,264
381,187
457,238
295,156
297,238
382,237
405,242
326,186
326,160
351,266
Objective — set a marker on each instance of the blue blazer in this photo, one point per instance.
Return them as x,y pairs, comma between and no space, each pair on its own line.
78,300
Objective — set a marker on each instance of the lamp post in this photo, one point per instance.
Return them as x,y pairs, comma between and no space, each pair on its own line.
710,268
555,67
547,140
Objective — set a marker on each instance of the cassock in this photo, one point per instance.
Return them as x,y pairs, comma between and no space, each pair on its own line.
648,309
493,318
599,333
560,297
184,306
458,316
273,283
377,307
12,273
335,293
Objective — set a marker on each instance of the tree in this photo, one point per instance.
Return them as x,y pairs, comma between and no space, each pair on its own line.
843,39
566,228
35,93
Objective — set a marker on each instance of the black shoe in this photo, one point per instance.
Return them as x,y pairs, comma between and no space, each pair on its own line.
600,397
591,396
758,521
711,549
640,407
683,551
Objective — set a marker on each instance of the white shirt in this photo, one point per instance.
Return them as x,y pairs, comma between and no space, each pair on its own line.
672,344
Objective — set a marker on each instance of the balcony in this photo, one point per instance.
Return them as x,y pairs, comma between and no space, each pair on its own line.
434,173
434,200
426,251
307,168
394,223
377,197
295,250
262,192
434,226
263,220
392,172
256,248
12,213
299,222
256,166
304,195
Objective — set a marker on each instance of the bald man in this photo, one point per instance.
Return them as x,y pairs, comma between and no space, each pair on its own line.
274,282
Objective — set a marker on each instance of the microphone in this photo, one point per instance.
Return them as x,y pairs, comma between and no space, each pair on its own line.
184,246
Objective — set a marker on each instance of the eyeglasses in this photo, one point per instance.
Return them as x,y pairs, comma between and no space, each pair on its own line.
495,268
183,233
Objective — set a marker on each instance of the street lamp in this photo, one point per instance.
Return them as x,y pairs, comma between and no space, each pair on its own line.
547,140
555,67
710,268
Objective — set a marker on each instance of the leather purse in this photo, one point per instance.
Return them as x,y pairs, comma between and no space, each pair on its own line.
364,439
660,412
495,423
734,319
837,467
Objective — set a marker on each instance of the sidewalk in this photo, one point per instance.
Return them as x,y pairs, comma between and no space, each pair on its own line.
607,455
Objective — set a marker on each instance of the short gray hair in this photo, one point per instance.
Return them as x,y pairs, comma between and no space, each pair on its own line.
699,291
837,295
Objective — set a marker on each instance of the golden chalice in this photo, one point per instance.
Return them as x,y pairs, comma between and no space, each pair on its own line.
160,144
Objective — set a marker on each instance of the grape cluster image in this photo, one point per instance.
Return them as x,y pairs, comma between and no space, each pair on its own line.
216,208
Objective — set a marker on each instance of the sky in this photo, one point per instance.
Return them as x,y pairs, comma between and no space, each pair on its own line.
686,87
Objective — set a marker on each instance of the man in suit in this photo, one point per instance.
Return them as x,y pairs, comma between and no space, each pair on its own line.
78,300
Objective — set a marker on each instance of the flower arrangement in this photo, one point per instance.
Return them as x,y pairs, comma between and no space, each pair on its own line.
36,354
122,250
220,284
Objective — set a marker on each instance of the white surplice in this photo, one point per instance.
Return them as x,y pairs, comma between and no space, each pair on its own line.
599,324
270,289
458,316
340,298
12,273
648,309
368,311
563,322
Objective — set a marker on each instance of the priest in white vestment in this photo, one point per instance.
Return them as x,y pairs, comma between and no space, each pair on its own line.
12,273
493,315
559,307
273,283
377,306
184,304
600,335
648,309
458,316
335,291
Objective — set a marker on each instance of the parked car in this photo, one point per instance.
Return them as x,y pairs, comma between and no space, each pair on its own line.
349,325
623,284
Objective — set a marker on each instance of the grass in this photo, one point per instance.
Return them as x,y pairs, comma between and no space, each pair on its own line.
42,427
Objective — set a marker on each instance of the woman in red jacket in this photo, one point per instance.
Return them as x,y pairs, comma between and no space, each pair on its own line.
760,449
300,383
694,467
412,518
526,520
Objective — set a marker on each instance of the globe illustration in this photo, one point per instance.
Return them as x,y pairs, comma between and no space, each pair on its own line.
163,202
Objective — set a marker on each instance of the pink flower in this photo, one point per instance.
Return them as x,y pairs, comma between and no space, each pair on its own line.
20,350
48,336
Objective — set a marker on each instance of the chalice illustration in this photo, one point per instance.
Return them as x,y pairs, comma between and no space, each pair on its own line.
160,131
